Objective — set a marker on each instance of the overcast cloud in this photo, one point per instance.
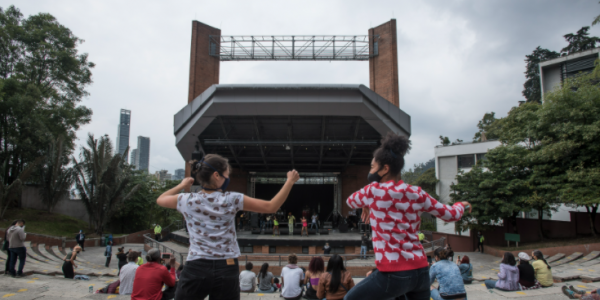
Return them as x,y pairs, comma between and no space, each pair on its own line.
457,59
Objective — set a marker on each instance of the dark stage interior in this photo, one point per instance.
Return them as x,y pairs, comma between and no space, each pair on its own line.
318,197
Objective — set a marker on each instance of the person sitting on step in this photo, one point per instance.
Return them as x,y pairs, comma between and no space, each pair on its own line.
127,275
150,278
574,293
248,279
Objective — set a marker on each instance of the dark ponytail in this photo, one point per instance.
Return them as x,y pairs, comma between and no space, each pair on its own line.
263,270
202,172
443,253
391,152
538,254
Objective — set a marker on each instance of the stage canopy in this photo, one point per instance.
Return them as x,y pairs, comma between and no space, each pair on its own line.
273,128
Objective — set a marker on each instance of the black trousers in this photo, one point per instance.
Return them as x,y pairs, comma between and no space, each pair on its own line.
67,269
81,245
213,278
480,247
108,261
7,268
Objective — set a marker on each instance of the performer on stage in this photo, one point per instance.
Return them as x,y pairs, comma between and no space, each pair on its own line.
304,227
291,220
275,226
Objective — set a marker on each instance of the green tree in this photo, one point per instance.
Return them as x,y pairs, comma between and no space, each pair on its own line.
42,80
531,88
411,175
102,181
579,41
56,177
484,125
428,182
10,193
444,140
569,128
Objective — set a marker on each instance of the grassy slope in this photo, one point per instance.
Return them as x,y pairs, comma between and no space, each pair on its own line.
43,222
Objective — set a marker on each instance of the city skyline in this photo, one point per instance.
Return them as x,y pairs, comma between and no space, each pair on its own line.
123,129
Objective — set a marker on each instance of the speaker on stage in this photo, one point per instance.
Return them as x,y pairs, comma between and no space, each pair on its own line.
343,227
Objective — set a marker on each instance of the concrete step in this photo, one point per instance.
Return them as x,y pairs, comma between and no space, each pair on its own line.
568,259
555,257
44,252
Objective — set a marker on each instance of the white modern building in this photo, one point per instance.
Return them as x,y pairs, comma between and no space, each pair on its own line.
554,71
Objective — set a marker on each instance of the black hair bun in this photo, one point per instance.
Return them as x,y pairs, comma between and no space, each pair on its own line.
398,144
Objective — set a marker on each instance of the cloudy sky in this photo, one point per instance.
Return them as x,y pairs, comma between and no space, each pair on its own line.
457,59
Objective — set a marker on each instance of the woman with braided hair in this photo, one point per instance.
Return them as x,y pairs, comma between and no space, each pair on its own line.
543,272
212,267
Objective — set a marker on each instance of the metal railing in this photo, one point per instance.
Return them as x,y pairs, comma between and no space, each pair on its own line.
158,245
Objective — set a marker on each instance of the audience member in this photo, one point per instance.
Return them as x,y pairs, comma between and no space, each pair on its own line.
326,249
527,279
508,278
480,239
69,263
127,275
265,280
157,232
212,267
448,275
396,215
80,238
150,278
6,247
276,283
291,279
543,272
316,267
122,257
248,279
108,252
574,293
466,269
140,260
16,239
364,243
336,282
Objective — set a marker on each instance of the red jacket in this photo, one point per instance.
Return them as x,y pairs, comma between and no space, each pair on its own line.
395,220
149,280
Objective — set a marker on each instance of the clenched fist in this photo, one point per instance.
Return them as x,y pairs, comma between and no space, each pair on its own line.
187,183
293,176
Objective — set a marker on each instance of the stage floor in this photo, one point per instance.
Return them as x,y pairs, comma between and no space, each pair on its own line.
333,235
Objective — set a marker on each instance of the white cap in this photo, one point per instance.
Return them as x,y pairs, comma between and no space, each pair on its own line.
523,256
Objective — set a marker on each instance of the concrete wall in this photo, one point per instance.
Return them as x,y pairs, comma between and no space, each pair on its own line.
353,179
552,78
48,240
74,208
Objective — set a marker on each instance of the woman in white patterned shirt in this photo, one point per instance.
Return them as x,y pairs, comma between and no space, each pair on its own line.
212,267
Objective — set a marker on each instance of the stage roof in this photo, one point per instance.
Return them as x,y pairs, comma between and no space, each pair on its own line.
317,128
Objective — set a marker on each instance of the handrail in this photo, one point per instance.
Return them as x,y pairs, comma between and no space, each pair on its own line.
152,242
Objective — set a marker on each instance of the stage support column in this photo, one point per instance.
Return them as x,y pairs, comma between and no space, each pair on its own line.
383,62
204,68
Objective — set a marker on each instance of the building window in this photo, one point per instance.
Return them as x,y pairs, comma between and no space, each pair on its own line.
480,157
246,249
466,161
304,249
338,250
272,249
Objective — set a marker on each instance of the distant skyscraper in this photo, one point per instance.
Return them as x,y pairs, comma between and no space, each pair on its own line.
123,132
179,174
143,153
134,158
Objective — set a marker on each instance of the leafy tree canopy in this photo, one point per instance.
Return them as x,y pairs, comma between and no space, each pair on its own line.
531,88
579,41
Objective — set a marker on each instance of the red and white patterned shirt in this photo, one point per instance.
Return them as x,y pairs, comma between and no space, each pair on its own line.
395,220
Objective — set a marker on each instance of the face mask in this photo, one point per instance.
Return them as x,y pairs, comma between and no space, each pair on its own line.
225,184
375,177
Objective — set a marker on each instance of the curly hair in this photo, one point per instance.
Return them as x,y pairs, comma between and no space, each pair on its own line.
391,152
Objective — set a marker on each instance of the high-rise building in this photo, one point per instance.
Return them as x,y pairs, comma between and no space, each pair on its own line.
123,131
163,175
133,160
143,153
179,174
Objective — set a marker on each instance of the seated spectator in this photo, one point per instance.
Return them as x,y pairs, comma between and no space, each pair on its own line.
448,275
508,278
150,278
574,293
276,283
336,282
316,267
140,260
127,274
248,279
466,269
543,272
527,279
326,249
291,279
265,280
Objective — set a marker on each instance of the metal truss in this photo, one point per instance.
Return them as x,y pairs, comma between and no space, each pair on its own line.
290,47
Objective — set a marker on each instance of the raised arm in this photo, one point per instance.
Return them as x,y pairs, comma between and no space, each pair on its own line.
445,212
168,199
269,207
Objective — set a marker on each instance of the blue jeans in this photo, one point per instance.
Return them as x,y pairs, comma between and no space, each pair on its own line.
314,224
363,252
414,284
271,290
435,295
490,284
262,225
21,254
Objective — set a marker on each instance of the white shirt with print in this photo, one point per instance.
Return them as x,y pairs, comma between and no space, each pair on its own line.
210,219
